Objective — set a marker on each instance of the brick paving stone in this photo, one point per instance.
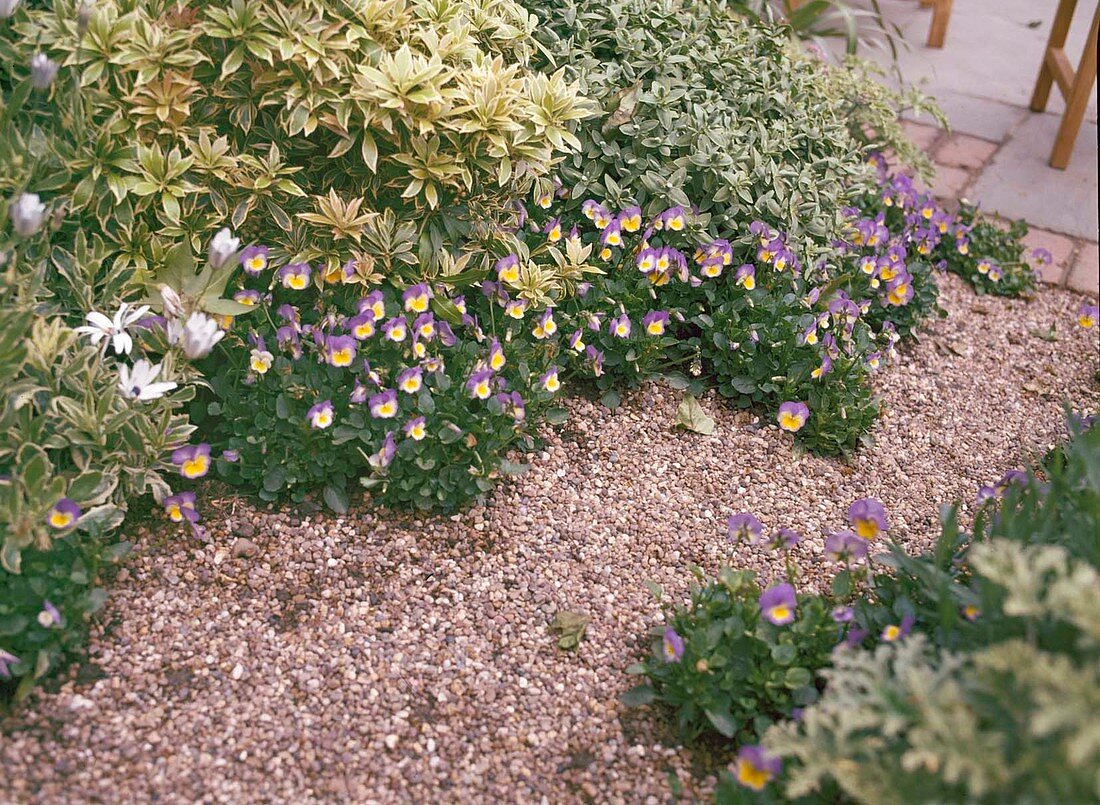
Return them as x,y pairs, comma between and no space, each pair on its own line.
1085,276
949,182
964,151
1060,248
922,136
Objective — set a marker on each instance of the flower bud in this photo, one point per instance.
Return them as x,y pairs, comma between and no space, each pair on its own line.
43,71
27,214
7,8
223,247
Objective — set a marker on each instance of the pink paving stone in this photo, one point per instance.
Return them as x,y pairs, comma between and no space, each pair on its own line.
1085,276
1060,248
949,182
964,151
922,136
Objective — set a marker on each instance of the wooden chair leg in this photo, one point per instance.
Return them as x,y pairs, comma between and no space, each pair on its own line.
1055,44
941,14
1077,100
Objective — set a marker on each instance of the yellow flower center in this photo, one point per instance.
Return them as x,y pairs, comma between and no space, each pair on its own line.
60,519
411,385
868,529
791,422
341,357
365,330
752,777
552,383
656,328
175,514
416,432
195,467
780,612
297,281
497,361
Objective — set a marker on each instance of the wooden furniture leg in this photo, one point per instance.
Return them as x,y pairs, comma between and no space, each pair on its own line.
1075,85
941,14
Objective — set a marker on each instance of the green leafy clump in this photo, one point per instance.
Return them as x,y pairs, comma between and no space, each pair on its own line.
702,107
296,124
736,673
75,450
990,256
990,699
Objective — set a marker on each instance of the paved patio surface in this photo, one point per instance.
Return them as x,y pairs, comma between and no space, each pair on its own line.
997,149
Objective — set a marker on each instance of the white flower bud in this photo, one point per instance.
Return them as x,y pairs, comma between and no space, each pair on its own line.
200,334
222,248
173,304
27,213
7,8
43,71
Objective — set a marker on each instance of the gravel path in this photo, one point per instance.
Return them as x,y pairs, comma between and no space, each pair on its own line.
384,658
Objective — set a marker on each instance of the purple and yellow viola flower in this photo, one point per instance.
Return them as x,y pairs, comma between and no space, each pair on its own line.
845,546
49,617
549,380
193,460
619,327
672,219
868,517
792,416
744,526
576,341
321,415
612,234
383,405
260,360
375,303
358,394
1088,315
63,514
181,507
416,428
384,457
754,768
362,325
425,327
630,219
545,326
340,350
253,260
672,645
497,359
655,322
396,330
246,297
411,380
778,604
895,632
508,269
552,230
480,384
295,276
746,276
417,298
515,308
899,291
785,538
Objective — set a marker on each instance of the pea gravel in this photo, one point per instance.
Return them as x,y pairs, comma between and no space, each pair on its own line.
378,657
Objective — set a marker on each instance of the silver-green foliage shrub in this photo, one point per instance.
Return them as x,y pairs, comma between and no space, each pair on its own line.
295,123
701,107
993,697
